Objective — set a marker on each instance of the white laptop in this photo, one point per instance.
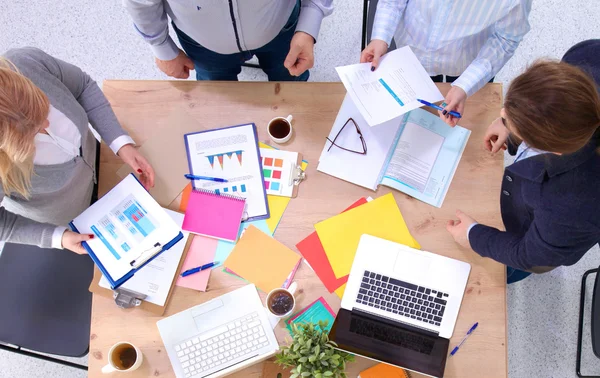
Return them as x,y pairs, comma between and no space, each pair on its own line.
400,305
219,337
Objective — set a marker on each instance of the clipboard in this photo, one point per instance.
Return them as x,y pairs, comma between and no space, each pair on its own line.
298,175
95,288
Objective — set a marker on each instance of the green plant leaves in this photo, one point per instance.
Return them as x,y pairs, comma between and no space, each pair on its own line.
312,354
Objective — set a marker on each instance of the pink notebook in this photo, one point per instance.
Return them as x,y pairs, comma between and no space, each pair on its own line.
214,215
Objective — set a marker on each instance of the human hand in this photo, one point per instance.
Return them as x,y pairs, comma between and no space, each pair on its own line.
373,53
131,156
454,101
496,136
72,241
178,68
301,56
459,228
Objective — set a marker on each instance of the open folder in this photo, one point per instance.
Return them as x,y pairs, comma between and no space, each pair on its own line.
130,230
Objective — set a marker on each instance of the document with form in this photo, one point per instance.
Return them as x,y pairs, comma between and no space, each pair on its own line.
416,153
392,89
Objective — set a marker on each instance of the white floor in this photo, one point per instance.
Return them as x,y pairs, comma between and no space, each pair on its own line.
98,36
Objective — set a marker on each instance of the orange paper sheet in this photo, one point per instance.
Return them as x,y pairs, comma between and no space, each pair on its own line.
261,260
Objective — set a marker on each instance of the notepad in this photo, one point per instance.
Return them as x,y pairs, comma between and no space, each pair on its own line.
317,311
340,234
261,260
214,215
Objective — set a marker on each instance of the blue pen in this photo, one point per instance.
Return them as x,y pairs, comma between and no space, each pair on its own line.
452,113
194,177
463,340
196,270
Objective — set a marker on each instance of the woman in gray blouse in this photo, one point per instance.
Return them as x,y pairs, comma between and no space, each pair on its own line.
47,152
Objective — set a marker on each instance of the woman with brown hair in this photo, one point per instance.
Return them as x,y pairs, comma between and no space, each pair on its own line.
48,157
550,196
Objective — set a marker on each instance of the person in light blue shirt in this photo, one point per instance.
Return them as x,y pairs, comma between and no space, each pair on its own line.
468,41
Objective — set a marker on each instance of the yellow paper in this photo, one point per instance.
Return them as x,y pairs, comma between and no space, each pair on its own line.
262,260
340,291
277,204
340,234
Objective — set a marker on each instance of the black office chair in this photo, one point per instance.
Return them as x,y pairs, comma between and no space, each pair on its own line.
369,10
595,320
45,305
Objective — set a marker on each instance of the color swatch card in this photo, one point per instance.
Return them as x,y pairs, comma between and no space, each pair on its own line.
230,153
312,250
257,254
340,234
278,171
317,311
213,215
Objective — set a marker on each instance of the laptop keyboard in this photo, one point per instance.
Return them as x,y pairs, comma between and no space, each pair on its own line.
218,347
391,335
402,298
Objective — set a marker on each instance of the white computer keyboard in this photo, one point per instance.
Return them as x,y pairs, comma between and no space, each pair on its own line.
220,346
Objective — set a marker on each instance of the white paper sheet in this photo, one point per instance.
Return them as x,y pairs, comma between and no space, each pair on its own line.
126,222
392,89
155,279
363,170
232,154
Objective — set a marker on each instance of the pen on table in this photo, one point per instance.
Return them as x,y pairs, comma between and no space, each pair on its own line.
452,113
194,177
456,348
198,269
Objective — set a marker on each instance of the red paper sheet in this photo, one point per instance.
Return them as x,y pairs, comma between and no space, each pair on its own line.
312,250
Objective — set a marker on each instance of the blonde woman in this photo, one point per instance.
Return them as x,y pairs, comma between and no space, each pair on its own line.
47,152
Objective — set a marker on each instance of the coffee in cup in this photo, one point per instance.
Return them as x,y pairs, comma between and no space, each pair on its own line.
281,302
123,357
280,129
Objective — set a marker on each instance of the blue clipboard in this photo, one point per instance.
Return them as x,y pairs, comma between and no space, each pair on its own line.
262,178
115,283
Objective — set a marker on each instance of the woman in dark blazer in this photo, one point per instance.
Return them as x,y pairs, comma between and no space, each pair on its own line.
550,196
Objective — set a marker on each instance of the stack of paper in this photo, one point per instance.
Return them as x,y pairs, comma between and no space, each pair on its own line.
331,250
257,253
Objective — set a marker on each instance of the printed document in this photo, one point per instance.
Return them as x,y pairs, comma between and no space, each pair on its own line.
156,278
392,89
126,222
230,153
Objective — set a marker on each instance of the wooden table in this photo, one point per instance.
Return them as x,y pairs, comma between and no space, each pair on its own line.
147,108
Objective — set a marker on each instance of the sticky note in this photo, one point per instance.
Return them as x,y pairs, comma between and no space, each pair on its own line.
277,174
268,162
279,163
340,234
275,186
267,173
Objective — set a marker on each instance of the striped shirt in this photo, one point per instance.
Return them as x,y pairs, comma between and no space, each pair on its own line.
472,39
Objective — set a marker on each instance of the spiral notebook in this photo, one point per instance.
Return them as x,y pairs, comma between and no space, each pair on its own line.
214,215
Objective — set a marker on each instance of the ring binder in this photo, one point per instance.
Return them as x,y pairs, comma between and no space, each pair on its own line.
210,192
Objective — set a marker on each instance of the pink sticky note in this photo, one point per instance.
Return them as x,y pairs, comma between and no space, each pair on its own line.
202,251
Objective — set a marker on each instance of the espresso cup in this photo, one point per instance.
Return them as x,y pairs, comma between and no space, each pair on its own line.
280,129
281,302
123,357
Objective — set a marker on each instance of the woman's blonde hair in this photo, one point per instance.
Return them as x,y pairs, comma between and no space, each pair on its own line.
23,109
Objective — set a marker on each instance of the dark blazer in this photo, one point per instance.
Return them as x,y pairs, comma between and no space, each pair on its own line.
550,208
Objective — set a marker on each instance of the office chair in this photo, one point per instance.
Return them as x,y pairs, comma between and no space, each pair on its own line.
45,305
369,9
595,320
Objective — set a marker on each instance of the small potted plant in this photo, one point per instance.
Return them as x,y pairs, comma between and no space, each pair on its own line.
312,354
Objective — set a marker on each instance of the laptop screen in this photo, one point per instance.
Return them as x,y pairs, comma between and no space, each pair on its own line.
391,342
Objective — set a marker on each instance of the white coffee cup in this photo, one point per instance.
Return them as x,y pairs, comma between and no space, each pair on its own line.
290,291
114,358
280,129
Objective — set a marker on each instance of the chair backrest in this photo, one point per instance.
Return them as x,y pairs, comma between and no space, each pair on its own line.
369,10
45,304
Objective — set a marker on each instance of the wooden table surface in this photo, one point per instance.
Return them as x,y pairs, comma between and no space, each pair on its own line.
149,108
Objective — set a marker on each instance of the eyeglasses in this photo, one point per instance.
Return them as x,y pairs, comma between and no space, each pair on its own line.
362,139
